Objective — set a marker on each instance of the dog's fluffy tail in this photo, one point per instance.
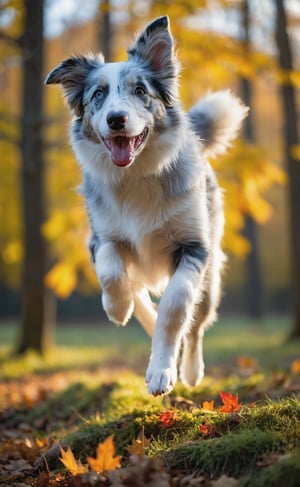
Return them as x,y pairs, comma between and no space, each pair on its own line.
216,119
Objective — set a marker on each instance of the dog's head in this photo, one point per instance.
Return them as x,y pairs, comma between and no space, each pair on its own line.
120,105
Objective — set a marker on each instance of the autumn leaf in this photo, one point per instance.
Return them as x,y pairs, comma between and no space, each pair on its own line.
167,418
230,403
295,368
207,428
138,446
246,363
208,406
105,457
69,461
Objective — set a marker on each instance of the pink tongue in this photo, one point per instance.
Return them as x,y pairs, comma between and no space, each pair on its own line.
122,150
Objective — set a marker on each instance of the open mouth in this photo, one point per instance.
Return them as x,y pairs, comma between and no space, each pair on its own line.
123,148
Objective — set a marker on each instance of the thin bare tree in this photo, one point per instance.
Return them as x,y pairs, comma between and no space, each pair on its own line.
33,201
291,139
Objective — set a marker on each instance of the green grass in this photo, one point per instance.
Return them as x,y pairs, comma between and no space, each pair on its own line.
87,344
94,385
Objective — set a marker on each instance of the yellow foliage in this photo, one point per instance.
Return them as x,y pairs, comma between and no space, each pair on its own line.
209,60
295,152
62,279
13,252
54,226
287,77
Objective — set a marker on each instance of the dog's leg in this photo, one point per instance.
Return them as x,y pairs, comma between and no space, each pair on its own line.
192,364
117,297
174,314
145,311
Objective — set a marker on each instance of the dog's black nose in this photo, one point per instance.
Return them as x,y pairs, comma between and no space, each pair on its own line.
117,120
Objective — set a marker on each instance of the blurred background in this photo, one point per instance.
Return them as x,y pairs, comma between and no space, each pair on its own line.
249,46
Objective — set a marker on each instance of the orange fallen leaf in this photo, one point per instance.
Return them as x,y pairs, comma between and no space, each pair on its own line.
167,418
295,368
138,446
71,464
230,403
246,363
207,428
105,457
208,405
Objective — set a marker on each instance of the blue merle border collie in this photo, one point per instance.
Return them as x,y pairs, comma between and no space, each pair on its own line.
154,205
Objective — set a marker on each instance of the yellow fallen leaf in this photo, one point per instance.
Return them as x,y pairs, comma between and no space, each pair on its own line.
105,457
71,464
208,406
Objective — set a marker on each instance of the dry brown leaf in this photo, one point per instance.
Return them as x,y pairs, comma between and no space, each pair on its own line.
105,457
224,481
138,446
144,471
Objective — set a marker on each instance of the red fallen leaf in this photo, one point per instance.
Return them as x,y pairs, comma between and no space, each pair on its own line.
230,403
167,418
207,429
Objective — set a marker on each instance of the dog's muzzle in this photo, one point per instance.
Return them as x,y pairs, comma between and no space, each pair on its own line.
123,149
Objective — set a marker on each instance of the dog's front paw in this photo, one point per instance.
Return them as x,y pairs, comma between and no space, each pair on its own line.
120,311
160,380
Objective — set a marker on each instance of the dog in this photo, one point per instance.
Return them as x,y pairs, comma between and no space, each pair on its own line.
154,205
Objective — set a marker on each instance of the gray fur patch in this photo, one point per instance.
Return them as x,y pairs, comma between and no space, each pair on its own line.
180,177
202,125
91,191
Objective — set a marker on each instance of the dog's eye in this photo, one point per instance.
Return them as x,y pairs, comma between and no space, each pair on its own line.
140,91
98,95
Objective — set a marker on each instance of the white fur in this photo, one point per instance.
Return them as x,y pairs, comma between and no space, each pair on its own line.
157,221
224,112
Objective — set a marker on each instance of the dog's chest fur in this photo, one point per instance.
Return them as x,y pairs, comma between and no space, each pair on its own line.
140,215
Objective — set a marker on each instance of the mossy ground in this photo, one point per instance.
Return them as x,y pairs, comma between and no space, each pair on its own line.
91,386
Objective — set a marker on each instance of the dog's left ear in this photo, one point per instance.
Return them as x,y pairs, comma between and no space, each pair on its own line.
154,47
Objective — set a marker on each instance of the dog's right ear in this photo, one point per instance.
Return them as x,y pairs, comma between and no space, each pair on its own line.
71,75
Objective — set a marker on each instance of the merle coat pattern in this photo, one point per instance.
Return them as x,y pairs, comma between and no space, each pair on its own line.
154,205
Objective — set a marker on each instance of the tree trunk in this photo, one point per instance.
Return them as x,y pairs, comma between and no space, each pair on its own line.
288,97
33,196
254,284
105,30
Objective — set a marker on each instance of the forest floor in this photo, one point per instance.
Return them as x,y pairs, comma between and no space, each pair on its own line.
81,416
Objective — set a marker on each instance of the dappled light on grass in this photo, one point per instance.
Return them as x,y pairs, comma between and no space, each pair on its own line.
241,421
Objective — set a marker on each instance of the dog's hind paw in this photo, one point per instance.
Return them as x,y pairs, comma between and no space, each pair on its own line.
118,312
160,381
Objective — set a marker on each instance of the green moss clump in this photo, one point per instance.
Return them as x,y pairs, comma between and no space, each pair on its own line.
232,454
